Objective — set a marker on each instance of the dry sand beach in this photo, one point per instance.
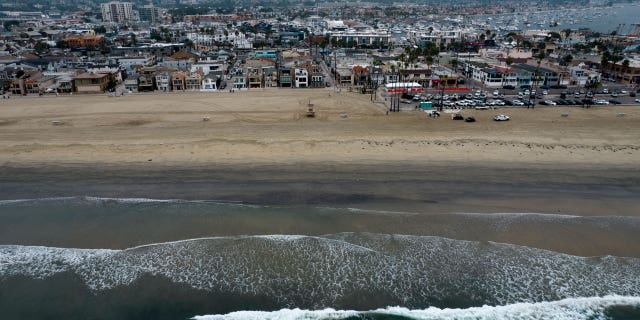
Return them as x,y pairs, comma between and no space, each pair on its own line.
260,148
270,128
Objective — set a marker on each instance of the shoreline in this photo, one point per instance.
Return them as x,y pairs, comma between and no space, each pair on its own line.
259,149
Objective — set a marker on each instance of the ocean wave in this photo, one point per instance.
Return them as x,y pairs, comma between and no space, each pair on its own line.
592,308
348,269
94,199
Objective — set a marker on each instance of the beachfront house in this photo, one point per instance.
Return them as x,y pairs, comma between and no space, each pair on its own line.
131,85
210,83
32,82
88,82
177,81
285,80
145,83
163,81
301,78
193,81
239,81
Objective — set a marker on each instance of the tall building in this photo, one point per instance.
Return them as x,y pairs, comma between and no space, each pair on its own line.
117,12
150,13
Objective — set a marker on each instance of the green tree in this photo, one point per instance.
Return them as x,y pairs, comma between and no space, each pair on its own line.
41,47
188,43
8,25
61,44
508,61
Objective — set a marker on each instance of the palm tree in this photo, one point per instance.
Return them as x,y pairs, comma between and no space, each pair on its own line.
508,61
604,60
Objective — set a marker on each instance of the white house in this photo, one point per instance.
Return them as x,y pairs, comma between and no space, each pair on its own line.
163,81
208,67
209,83
301,78
128,63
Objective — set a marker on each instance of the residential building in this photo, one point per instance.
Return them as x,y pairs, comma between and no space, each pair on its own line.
239,81
75,41
178,81
316,76
285,79
150,13
115,11
193,81
301,78
130,64
131,85
163,81
33,82
210,83
581,75
92,82
256,70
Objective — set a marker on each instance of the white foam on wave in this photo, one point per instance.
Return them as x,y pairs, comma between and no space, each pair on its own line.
96,199
14,201
519,214
591,308
318,271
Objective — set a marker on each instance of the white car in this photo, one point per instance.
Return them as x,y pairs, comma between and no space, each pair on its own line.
550,103
501,117
518,103
637,100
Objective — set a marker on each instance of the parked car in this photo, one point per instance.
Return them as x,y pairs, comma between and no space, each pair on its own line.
470,119
501,117
637,100
614,102
550,102
457,116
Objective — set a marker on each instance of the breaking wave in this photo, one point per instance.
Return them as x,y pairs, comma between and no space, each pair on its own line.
343,269
594,308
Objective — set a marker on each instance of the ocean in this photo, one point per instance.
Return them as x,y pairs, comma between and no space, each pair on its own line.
245,254
426,276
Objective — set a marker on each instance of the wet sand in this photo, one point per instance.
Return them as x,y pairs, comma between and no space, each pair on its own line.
406,199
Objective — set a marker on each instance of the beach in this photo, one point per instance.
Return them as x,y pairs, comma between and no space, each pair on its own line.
260,148
270,127
176,205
